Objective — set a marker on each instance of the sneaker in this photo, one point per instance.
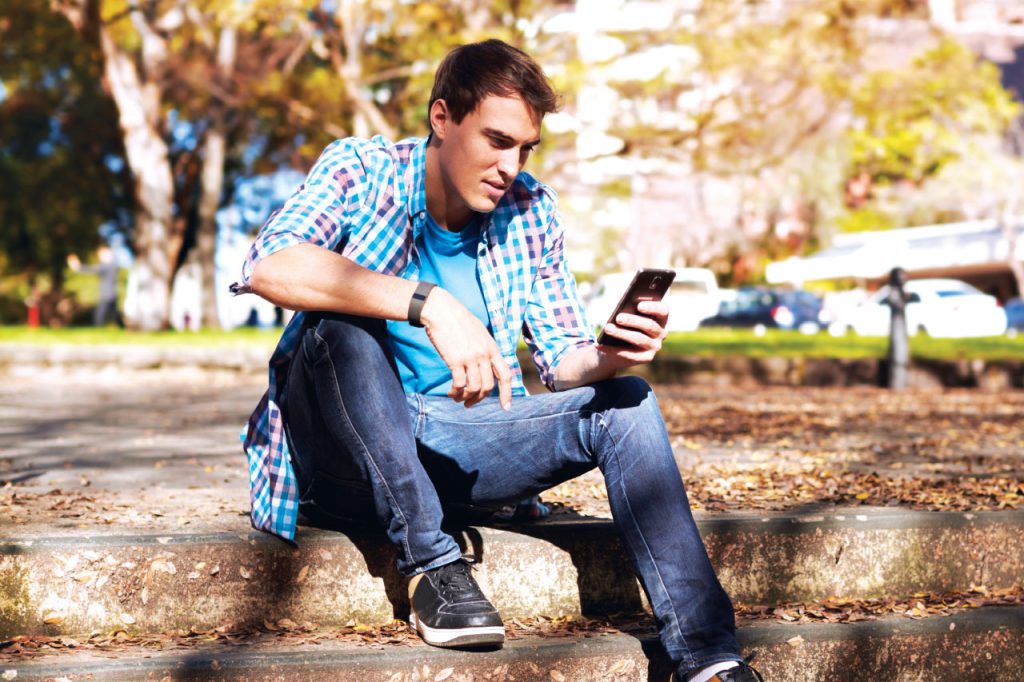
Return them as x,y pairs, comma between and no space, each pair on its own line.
741,673
449,610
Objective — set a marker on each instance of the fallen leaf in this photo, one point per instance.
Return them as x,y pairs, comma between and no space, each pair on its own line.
127,619
443,674
244,572
556,676
303,572
53,617
795,641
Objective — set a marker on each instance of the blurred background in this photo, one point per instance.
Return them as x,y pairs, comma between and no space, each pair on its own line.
782,155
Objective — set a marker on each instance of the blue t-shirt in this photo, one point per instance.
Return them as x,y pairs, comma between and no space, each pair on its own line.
447,259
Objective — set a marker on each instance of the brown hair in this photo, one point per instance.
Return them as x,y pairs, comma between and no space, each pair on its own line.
469,73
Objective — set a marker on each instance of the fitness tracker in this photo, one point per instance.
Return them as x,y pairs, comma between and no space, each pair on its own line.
419,297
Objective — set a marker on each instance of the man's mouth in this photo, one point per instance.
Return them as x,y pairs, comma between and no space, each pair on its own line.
497,189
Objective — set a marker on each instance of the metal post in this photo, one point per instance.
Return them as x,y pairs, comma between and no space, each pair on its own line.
899,344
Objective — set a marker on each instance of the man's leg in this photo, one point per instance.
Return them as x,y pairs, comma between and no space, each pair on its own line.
484,455
349,423
347,418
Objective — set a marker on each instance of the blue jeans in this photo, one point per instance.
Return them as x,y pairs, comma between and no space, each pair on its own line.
360,443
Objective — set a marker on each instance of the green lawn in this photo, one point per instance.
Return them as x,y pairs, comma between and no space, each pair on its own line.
703,342
783,343
95,336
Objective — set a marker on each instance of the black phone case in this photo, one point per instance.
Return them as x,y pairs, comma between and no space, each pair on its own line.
647,285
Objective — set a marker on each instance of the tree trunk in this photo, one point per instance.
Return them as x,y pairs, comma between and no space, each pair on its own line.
367,119
212,184
138,106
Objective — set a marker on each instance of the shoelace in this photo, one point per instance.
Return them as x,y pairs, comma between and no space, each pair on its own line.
746,662
455,577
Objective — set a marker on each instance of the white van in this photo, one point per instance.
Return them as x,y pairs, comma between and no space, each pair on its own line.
693,297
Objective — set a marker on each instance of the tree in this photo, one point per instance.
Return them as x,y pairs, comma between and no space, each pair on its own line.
738,114
283,77
60,150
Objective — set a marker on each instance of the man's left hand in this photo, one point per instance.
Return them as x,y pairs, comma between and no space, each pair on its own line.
644,333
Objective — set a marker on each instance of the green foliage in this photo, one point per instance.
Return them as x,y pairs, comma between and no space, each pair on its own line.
913,121
56,130
864,220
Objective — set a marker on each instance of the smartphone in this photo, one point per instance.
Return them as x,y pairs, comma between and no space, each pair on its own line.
647,285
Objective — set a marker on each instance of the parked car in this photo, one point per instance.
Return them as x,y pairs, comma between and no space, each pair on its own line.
1014,309
692,297
762,307
936,307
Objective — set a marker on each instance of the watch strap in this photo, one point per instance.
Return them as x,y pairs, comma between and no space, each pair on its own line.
419,297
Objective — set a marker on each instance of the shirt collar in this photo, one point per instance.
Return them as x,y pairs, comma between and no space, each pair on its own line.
418,186
417,206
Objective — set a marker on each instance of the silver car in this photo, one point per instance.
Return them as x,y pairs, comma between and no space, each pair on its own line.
936,307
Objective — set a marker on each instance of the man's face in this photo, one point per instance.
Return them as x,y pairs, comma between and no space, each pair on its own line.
481,156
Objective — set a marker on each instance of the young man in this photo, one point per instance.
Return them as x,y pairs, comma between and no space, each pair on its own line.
418,266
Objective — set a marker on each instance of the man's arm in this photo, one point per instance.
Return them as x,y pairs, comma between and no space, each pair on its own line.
310,277
589,364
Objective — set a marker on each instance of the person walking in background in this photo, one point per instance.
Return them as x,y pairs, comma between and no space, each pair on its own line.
396,392
108,269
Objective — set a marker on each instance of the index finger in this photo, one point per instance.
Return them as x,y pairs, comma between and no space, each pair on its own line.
504,375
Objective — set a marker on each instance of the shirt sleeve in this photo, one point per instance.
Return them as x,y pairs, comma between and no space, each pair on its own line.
555,320
321,211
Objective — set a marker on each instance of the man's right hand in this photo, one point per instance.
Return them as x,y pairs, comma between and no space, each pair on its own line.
467,348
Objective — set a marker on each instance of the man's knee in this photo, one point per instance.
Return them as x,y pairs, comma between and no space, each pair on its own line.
632,393
349,331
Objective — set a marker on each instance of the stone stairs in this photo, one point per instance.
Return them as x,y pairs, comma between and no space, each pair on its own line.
987,644
131,516
100,582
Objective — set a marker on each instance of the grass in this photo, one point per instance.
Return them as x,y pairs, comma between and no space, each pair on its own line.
782,343
103,336
709,342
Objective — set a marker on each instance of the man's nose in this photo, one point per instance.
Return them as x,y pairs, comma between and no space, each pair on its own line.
508,162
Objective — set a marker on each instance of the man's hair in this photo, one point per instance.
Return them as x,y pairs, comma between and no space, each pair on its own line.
472,72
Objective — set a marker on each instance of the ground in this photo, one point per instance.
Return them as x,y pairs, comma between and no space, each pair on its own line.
159,451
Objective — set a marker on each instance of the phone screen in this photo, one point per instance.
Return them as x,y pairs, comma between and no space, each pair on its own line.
647,285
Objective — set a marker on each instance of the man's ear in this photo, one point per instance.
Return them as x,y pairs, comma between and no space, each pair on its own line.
439,118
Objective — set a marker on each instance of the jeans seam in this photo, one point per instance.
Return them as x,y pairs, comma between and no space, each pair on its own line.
632,518
504,421
366,451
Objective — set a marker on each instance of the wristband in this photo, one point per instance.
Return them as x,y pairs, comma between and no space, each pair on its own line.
419,297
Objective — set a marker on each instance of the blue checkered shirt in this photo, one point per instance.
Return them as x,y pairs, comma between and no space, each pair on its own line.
366,199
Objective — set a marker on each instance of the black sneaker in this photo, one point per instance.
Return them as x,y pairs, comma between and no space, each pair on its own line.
741,673
449,610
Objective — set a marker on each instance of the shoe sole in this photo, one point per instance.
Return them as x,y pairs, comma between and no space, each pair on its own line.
462,637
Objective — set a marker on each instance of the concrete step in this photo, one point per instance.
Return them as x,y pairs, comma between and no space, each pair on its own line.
985,644
158,583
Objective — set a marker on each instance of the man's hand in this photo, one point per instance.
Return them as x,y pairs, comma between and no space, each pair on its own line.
467,348
644,333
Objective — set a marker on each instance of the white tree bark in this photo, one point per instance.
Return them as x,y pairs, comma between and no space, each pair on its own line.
212,181
367,117
138,105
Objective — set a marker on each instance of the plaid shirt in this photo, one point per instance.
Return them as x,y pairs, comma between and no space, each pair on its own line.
366,199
